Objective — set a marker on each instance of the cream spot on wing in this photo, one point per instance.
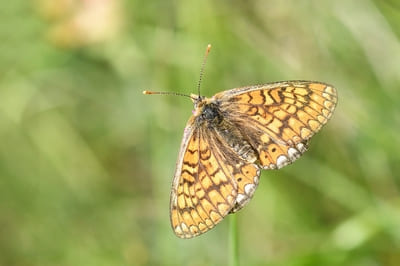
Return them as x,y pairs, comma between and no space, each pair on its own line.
249,188
178,230
329,90
256,177
282,161
240,198
300,146
184,227
293,153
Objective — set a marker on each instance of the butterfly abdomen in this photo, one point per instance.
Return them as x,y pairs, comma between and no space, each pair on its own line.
235,140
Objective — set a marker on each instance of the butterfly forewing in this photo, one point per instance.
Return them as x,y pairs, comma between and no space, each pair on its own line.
279,118
202,194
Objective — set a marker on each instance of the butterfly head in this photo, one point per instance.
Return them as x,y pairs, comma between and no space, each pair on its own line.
198,102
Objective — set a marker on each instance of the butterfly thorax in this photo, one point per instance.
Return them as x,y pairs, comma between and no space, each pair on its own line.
209,115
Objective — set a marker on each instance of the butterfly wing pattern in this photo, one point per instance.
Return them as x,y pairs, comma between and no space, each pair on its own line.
233,135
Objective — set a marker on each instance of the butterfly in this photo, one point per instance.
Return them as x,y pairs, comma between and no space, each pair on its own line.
232,136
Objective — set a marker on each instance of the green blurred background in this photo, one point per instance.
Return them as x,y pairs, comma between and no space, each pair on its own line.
86,160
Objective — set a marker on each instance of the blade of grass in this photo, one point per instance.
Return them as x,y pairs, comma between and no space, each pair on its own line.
233,241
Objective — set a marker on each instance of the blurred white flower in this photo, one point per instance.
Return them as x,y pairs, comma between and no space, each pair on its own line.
77,23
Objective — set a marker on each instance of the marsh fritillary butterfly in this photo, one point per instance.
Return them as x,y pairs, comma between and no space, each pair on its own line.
234,134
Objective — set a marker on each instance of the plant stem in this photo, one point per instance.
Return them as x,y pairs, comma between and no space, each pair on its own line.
233,240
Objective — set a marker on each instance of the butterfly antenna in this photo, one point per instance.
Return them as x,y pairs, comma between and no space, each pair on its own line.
169,93
202,68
